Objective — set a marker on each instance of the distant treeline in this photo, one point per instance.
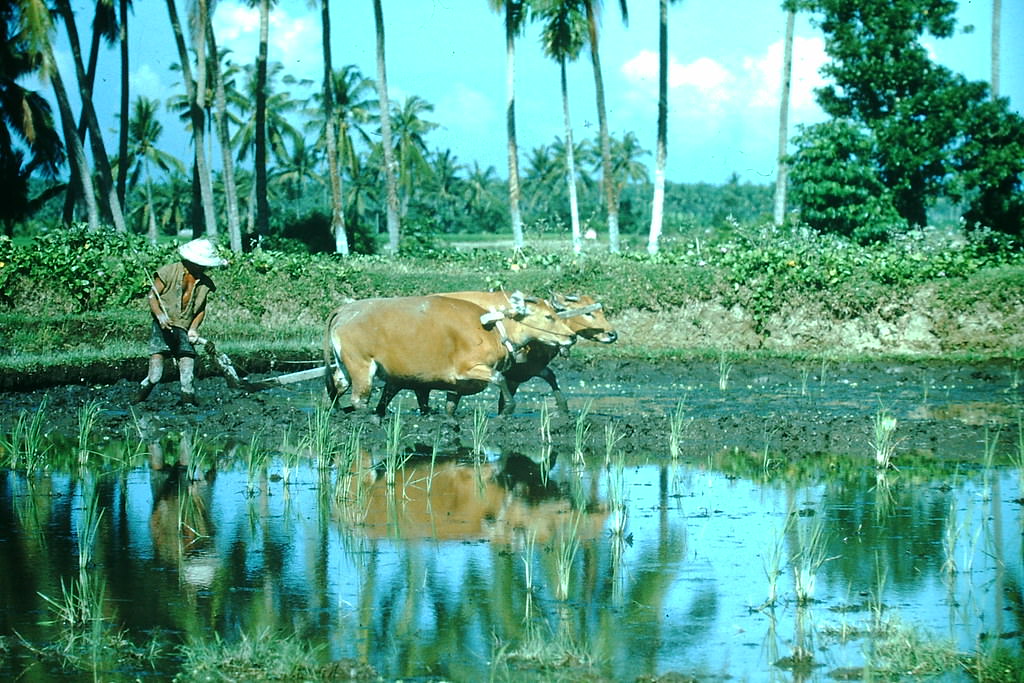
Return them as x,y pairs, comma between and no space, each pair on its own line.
465,208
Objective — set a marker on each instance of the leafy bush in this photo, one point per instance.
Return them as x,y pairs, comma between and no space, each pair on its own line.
837,186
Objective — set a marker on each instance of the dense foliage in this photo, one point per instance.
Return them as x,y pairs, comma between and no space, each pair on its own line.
904,130
761,269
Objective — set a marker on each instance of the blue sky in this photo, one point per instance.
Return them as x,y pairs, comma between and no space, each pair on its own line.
725,66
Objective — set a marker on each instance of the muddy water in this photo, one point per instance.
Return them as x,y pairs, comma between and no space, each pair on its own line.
462,569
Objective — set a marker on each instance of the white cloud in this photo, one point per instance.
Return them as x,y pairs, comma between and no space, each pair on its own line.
764,74
294,41
705,73
144,81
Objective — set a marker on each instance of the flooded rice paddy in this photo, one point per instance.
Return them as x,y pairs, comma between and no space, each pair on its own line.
358,552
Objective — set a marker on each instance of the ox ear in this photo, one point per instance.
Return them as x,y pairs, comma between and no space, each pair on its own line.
517,303
490,317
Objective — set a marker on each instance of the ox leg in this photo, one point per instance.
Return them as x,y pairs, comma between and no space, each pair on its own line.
512,386
423,399
452,402
506,399
548,375
389,392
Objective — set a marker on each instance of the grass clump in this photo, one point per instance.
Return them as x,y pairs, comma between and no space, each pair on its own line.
266,655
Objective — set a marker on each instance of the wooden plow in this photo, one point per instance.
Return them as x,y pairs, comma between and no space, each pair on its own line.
222,362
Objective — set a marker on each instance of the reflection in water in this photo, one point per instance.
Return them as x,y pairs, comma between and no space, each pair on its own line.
180,525
452,568
445,499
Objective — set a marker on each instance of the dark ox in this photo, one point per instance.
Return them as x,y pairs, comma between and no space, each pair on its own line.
432,342
584,316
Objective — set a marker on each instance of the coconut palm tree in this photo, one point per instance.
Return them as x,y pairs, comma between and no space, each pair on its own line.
32,37
409,130
787,72
104,29
515,19
100,158
262,205
331,135
196,97
592,10
390,180
563,37
219,78
145,130
26,122
661,151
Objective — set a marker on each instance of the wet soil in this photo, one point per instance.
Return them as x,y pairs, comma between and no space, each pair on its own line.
944,409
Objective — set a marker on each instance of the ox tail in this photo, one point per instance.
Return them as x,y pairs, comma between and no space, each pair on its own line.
335,379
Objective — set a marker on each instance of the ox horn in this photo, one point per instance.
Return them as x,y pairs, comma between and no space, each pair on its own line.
573,312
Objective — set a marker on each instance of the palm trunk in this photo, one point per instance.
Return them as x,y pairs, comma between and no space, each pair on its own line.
198,125
202,163
394,226
661,153
76,152
262,203
782,175
607,180
997,18
220,118
122,144
75,188
337,213
570,166
510,122
152,232
99,151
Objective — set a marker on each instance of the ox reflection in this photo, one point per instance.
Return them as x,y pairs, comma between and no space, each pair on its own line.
448,499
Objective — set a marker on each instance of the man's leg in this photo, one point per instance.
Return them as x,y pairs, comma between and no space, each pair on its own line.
156,371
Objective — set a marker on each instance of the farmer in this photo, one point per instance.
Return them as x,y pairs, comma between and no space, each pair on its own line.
177,301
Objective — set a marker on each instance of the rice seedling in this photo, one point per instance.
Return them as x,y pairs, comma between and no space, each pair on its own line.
24,447
724,370
617,496
565,555
88,526
529,550
812,554
545,651
950,533
677,424
255,462
79,605
392,453
805,375
545,423
875,603
582,430
884,440
771,563
478,431
611,441
320,435
88,415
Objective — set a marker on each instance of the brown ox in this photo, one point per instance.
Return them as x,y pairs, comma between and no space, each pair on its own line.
431,342
449,500
584,316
